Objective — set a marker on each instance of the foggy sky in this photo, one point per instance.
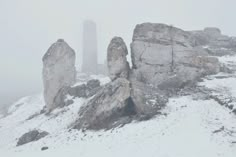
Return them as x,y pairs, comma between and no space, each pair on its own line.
29,27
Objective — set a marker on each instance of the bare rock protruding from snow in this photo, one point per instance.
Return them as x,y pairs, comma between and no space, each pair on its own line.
31,136
58,71
79,91
147,99
214,42
116,59
111,104
166,56
213,32
85,90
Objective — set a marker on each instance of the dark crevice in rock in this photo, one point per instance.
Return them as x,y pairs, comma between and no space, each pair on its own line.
130,108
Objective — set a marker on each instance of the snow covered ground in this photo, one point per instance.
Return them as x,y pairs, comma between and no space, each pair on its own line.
189,127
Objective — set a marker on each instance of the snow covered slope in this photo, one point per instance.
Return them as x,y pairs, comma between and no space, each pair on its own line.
188,127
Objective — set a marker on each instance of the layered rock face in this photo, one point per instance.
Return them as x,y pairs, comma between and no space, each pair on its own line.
58,71
167,57
81,91
214,42
118,67
107,106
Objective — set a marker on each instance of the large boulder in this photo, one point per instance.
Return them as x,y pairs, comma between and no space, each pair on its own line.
148,100
116,59
163,53
31,136
58,71
111,103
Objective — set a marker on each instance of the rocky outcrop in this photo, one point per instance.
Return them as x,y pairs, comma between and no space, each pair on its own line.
31,136
214,42
165,60
167,57
147,99
109,105
58,71
80,91
118,67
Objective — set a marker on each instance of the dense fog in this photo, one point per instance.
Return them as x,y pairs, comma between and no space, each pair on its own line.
29,27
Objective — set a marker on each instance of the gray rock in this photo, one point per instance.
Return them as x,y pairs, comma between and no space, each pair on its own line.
166,56
31,136
165,60
91,84
116,59
58,71
107,106
85,90
78,91
44,148
215,43
81,91
148,100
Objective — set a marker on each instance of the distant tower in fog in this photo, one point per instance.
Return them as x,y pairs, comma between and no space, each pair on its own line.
90,63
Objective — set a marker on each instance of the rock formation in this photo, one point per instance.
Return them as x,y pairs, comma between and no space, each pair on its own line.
107,106
89,47
118,67
165,59
80,91
166,56
58,71
214,42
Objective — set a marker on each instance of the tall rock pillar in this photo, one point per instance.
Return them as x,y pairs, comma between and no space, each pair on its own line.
58,71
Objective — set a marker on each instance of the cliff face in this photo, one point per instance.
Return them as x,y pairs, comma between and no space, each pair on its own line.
164,58
58,71
163,53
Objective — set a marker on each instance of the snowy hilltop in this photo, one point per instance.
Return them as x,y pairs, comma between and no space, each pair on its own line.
176,99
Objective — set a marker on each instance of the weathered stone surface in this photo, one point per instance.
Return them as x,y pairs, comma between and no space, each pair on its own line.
163,54
213,32
165,60
81,91
214,42
107,106
58,71
85,90
91,84
116,59
31,136
147,99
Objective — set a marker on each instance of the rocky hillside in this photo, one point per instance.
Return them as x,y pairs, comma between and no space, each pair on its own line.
176,98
